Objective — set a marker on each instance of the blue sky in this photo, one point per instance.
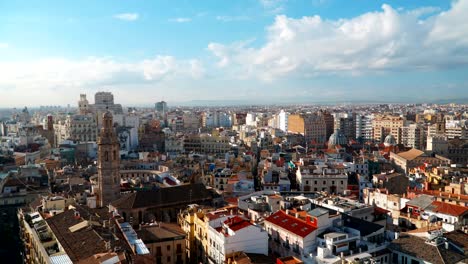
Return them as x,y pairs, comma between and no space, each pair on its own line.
273,50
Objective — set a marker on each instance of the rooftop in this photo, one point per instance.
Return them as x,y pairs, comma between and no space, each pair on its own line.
291,223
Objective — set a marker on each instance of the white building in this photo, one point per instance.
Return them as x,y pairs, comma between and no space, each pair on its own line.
290,235
321,178
230,234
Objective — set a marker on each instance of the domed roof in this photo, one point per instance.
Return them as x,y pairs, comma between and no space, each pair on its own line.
390,141
337,138
107,115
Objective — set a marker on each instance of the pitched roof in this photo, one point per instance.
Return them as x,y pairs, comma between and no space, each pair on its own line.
188,193
80,244
449,209
237,223
418,248
411,154
458,238
421,201
291,223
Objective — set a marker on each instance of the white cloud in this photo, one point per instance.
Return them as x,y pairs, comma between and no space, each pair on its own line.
59,78
374,41
4,45
127,16
180,19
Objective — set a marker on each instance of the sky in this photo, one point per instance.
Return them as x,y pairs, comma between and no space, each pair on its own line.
256,50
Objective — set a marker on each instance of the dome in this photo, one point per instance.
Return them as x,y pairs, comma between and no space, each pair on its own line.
337,138
390,141
107,115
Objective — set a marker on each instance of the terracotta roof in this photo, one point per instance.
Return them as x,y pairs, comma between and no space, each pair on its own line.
289,260
411,154
449,209
237,223
290,223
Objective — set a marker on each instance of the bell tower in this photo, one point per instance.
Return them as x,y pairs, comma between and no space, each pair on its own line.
108,163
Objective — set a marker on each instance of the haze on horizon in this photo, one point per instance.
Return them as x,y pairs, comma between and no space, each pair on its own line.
265,50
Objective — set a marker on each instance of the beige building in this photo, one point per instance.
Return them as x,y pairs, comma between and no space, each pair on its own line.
413,158
166,242
311,125
384,125
206,144
313,178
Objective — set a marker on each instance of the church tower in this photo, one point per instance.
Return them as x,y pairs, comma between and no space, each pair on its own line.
83,105
108,163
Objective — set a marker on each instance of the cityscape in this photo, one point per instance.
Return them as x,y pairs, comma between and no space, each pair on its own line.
315,132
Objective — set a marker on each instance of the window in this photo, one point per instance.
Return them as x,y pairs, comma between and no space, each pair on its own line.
158,251
168,248
342,182
324,182
179,248
315,182
307,182
333,182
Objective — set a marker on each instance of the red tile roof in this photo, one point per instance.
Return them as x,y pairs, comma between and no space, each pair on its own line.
449,209
291,223
237,223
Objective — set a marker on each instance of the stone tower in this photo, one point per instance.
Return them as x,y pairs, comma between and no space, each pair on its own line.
83,105
108,163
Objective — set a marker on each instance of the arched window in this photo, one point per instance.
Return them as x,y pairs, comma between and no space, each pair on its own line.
115,155
106,156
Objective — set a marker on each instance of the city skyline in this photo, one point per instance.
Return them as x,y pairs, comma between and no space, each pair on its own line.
270,51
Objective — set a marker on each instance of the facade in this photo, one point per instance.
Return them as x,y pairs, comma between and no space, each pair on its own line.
364,130
413,136
312,126
384,125
81,128
165,242
161,107
206,144
395,183
346,125
233,234
108,189
289,235
321,179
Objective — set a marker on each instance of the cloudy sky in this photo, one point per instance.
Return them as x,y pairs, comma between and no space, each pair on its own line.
265,50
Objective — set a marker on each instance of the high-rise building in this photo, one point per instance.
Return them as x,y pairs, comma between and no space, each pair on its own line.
346,125
363,127
384,125
108,163
329,122
413,136
311,125
283,120
161,107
